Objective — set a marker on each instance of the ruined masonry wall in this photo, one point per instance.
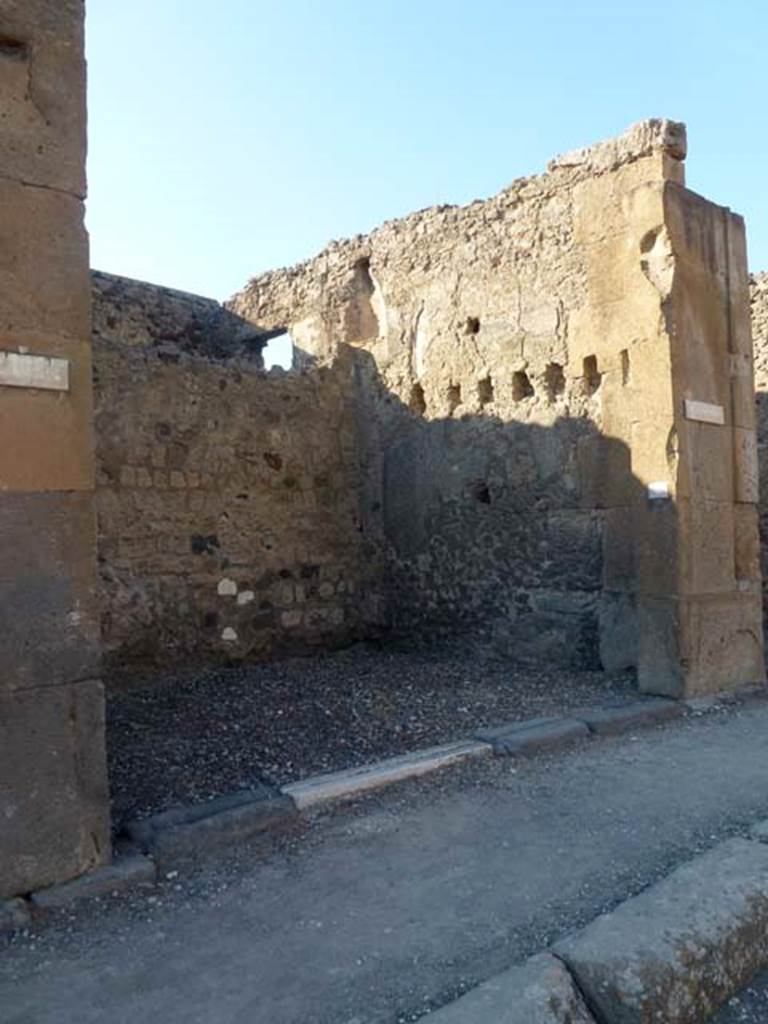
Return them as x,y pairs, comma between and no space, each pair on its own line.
759,297
226,497
480,398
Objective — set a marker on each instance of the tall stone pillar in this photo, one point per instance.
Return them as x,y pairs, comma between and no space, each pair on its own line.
667,323
54,821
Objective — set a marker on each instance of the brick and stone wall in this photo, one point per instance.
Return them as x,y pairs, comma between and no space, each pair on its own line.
523,367
759,297
226,497
53,785
481,399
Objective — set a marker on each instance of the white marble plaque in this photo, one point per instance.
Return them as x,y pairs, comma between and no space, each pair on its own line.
704,412
22,370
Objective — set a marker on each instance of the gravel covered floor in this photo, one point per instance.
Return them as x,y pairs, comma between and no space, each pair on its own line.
188,738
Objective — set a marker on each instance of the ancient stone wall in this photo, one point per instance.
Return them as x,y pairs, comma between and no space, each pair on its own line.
480,403
759,306
528,421
532,373
226,497
53,786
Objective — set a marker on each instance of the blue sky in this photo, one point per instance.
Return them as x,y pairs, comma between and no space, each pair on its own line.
228,138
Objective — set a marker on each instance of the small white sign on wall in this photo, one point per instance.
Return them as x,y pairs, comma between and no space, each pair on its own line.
22,370
658,490
704,412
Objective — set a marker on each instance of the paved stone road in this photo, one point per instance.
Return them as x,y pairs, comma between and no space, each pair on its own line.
381,911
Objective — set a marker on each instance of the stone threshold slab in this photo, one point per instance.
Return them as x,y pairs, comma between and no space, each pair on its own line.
350,783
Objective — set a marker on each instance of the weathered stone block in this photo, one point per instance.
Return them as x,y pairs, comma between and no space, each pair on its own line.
677,951
722,638
738,266
43,252
706,547
49,607
540,991
619,632
659,670
699,644
533,736
657,547
627,715
705,469
649,390
189,833
746,470
619,569
53,786
49,434
347,784
746,543
42,85
740,369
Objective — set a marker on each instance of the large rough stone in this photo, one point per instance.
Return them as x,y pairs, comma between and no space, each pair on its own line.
48,604
43,252
53,786
618,631
540,991
49,433
678,950
42,85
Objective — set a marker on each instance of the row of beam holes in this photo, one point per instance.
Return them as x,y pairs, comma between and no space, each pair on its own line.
522,388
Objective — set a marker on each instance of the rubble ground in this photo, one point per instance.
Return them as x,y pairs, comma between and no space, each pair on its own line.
188,738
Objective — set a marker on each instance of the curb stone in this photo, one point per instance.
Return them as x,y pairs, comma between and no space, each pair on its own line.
612,719
352,782
186,833
124,874
534,735
14,915
539,991
679,950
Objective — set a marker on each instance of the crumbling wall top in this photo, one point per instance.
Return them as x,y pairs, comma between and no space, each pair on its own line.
430,238
642,139
138,314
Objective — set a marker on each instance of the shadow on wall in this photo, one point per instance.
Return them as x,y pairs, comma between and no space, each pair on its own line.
495,531
244,515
